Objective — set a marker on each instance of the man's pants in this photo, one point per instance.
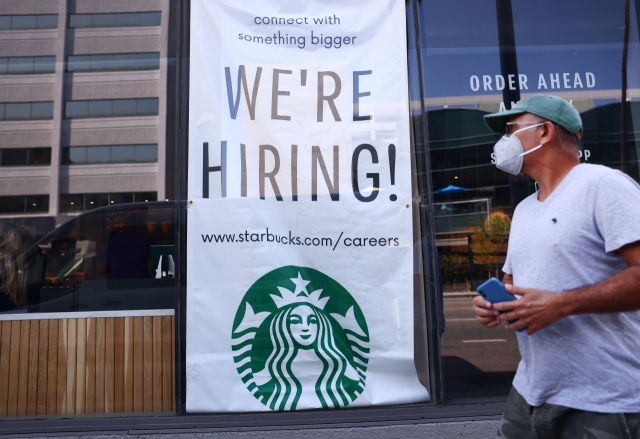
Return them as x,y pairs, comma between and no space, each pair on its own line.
549,421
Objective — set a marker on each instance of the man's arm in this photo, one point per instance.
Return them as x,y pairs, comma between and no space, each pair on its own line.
539,309
484,310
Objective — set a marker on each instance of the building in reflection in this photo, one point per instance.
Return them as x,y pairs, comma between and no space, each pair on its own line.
83,98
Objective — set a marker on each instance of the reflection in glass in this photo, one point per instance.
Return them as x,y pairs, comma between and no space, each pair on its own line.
147,106
124,107
47,21
42,110
124,61
101,62
17,111
103,20
21,65
122,153
149,19
76,109
147,153
24,21
80,20
127,19
98,154
39,156
44,64
71,203
93,201
14,156
77,154
100,108
78,63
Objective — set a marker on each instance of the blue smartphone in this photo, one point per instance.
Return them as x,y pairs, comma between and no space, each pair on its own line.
494,292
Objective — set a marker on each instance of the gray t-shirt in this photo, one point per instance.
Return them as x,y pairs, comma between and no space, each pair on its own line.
591,361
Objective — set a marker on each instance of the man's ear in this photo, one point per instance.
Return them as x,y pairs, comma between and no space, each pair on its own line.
547,132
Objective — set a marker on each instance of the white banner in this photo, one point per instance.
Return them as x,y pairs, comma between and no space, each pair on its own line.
299,242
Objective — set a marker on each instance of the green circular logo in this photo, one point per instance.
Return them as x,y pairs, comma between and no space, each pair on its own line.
300,341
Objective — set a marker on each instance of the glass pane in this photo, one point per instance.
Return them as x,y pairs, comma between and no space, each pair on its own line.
98,154
37,203
124,107
44,64
71,203
77,154
40,156
145,197
17,111
146,106
74,109
127,19
78,63
5,22
122,153
13,204
93,201
47,21
80,20
470,245
100,108
42,110
147,153
149,19
124,61
120,198
101,62
148,61
23,22
103,20
86,254
14,157
20,65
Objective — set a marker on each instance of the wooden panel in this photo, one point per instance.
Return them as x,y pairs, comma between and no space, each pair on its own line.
100,364
109,368
32,387
128,364
81,367
148,363
119,366
14,369
91,366
23,377
52,367
138,364
43,363
5,354
166,364
157,363
72,380
61,402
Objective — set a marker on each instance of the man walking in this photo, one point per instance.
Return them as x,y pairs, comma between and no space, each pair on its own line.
574,262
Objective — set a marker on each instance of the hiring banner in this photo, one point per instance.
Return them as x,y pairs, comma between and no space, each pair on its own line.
299,241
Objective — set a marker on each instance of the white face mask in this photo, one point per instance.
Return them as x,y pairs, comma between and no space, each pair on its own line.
509,152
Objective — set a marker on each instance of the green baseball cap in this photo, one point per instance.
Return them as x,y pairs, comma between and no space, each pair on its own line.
552,108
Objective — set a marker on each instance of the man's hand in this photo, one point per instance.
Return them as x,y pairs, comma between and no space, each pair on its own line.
536,309
485,312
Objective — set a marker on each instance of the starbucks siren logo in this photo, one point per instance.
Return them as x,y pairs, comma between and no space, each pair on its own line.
300,341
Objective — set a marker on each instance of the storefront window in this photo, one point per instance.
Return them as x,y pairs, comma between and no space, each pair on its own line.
87,228
472,67
93,187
